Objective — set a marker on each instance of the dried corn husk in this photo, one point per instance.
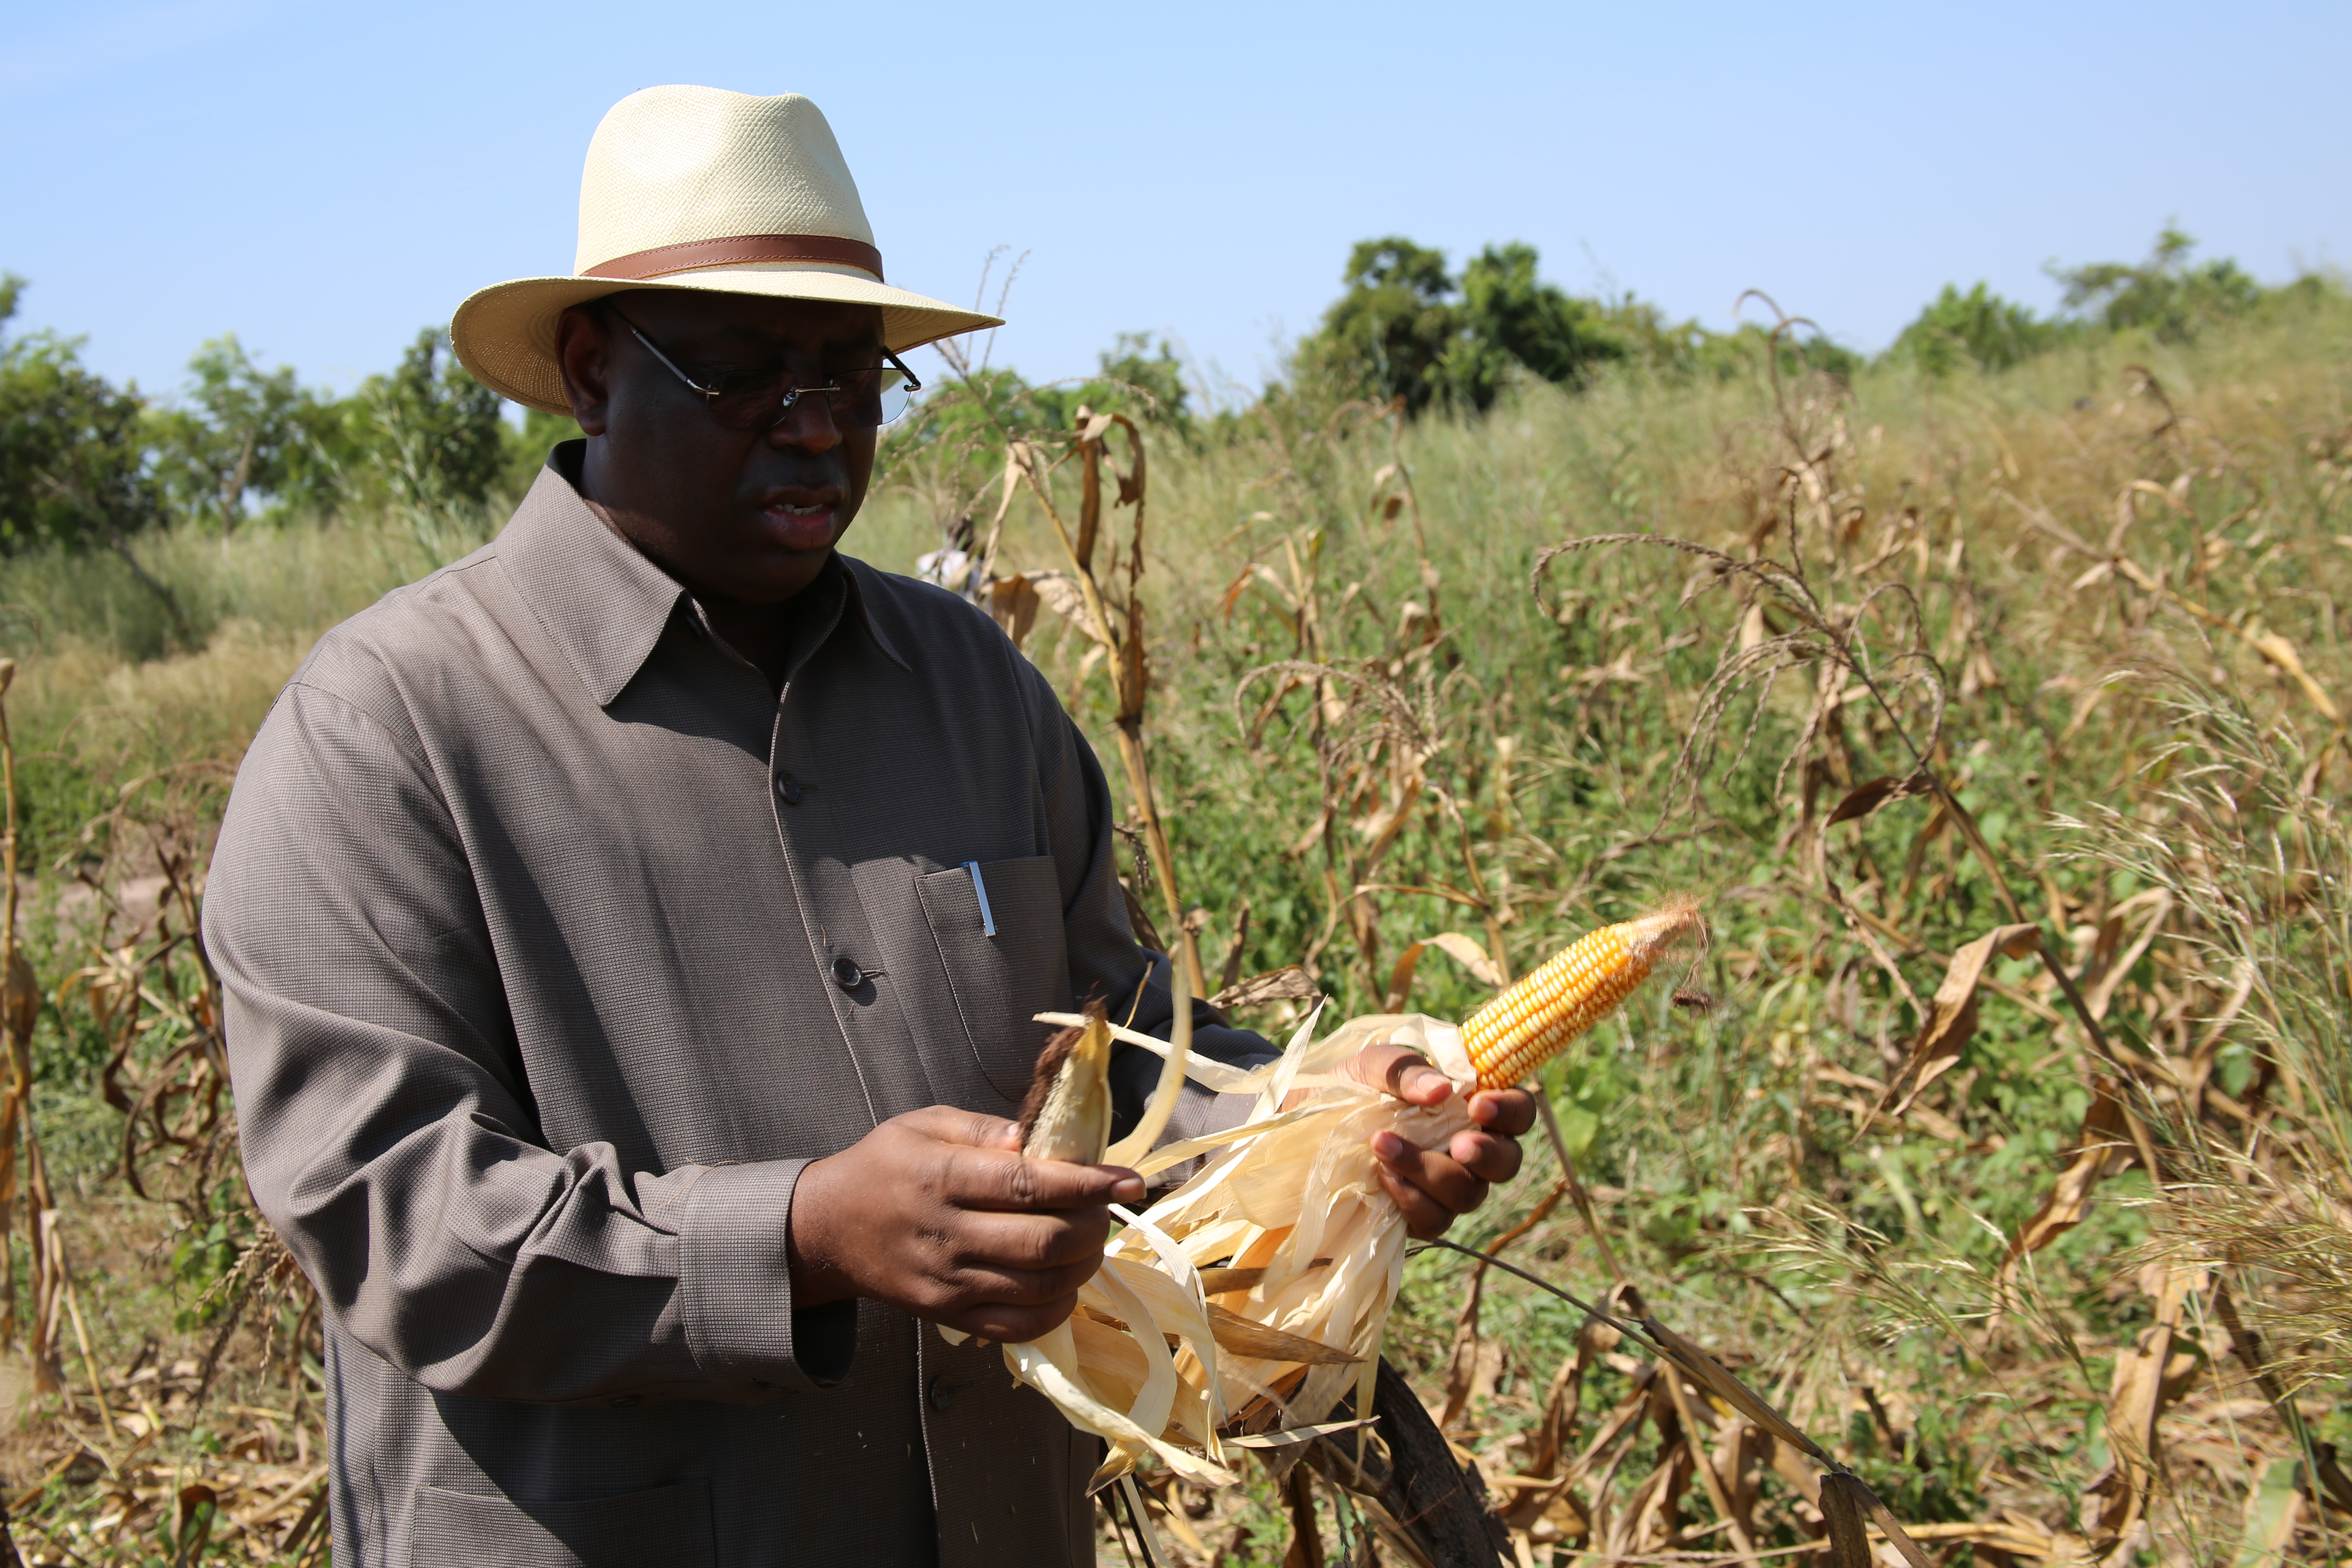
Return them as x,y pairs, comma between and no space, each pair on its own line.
1297,1195
1109,1368
1160,1360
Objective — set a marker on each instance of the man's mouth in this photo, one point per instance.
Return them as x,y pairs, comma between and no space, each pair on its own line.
804,517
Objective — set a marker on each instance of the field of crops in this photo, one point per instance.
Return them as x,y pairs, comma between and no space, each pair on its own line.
1997,721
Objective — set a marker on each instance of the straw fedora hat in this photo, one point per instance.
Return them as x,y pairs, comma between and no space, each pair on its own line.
693,187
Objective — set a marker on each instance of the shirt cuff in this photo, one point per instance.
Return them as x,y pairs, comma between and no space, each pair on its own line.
736,1284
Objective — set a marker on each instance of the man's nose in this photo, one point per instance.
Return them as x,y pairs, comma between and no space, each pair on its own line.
808,424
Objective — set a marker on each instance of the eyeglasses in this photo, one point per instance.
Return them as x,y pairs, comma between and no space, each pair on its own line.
863,398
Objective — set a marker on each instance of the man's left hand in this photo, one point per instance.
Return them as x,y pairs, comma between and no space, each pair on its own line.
1434,1185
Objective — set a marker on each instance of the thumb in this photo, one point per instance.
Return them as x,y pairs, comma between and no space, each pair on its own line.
1403,1073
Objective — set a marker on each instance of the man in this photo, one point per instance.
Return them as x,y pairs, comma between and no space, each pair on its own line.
632,931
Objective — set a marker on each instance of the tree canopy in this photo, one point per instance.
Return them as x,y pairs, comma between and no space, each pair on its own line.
1407,327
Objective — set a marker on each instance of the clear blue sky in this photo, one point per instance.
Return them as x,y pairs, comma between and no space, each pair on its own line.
323,180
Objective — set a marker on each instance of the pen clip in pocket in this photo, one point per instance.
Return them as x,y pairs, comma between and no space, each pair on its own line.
980,889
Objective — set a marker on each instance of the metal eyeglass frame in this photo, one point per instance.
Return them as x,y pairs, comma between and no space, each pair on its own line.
792,394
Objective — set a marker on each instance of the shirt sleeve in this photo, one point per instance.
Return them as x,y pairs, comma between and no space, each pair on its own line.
388,1130
1106,961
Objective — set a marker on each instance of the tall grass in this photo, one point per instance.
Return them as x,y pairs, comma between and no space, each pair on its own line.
1359,697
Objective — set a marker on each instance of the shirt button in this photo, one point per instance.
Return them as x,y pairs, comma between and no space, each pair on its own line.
942,1395
847,974
789,787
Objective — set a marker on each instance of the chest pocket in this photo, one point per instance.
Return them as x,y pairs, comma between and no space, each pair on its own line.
1001,981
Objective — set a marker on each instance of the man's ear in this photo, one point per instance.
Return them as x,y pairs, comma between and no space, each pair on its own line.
582,351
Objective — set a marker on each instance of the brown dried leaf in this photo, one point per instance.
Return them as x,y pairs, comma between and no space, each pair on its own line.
1288,983
1138,920
2110,966
1866,798
1737,1451
2135,1400
1462,1358
1218,1281
1243,1337
1753,629
1012,604
1654,1502
1803,1479
1233,594
1062,595
1704,1368
2103,1149
1454,945
1016,460
21,1002
1554,1435
1952,1015
1089,444
2281,653
1849,1540
1844,1491
1468,954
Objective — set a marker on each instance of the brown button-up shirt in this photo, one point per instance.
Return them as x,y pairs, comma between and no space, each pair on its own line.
556,944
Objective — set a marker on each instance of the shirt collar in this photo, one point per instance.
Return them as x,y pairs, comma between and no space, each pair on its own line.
602,600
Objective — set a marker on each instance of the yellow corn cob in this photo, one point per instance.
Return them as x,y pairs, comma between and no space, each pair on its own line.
1577,987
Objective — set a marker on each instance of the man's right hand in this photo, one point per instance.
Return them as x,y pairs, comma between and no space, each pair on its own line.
937,1214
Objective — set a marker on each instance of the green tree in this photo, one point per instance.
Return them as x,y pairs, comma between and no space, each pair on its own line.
1142,381
1508,317
430,432
1649,337
1390,331
1134,380
527,447
1405,328
74,463
1978,327
245,436
2165,294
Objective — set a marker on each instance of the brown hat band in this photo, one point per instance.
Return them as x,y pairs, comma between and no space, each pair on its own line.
737,249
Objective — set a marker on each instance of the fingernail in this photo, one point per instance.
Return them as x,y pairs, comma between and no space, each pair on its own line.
1387,1145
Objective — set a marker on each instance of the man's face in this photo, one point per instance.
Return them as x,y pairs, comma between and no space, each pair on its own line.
748,515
